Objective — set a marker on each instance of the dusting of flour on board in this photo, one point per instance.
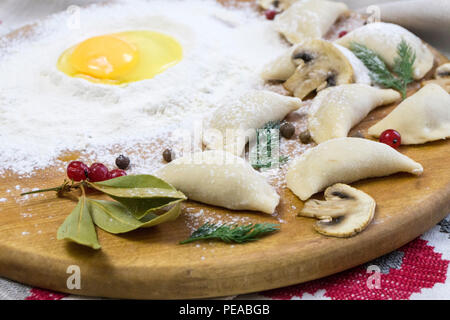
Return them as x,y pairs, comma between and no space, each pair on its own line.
46,116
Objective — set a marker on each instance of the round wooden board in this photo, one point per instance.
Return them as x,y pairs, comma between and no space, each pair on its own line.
150,264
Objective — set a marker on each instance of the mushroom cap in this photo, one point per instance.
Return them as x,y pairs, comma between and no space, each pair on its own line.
345,212
319,65
443,71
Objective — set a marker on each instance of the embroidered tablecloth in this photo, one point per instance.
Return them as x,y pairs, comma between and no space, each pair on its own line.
418,270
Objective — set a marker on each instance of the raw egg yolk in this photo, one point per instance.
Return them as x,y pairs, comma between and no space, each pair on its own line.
104,57
122,57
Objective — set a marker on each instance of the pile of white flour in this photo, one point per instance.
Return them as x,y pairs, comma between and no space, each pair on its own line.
44,112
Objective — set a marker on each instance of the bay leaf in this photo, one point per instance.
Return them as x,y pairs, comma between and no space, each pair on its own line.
79,227
169,215
112,216
141,194
136,181
115,218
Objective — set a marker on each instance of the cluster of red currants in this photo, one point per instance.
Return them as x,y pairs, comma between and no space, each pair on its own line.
78,171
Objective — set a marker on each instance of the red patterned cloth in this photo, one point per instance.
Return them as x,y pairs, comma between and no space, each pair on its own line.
420,267
39,294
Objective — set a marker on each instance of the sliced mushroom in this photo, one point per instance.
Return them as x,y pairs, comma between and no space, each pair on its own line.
319,64
275,4
442,76
443,71
345,212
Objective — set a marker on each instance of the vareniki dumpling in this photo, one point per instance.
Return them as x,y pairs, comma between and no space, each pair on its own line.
335,110
308,19
219,178
232,125
383,38
282,68
360,72
423,117
344,160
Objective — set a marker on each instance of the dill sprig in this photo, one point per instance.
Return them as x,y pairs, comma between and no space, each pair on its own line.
403,63
379,72
378,69
232,233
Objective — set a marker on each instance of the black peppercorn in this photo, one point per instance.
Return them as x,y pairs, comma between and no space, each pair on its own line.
168,155
122,162
287,130
305,137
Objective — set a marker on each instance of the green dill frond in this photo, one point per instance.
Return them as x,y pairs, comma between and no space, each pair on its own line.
403,63
379,72
232,233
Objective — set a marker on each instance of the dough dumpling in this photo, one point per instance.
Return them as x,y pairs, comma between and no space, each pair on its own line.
423,117
219,178
335,110
282,68
345,160
383,38
231,126
360,72
308,19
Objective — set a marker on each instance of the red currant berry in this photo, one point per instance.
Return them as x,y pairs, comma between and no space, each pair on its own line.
391,138
98,172
77,171
270,14
117,173
342,33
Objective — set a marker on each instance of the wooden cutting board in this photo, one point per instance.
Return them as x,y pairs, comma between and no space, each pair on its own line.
150,264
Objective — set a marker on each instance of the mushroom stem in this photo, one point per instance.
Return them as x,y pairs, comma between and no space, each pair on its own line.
324,209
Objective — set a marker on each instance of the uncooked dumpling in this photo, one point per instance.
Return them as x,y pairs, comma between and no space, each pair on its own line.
335,110
360,72
221,179
344,160
383,38
232,125
423,117
308,19
282,68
